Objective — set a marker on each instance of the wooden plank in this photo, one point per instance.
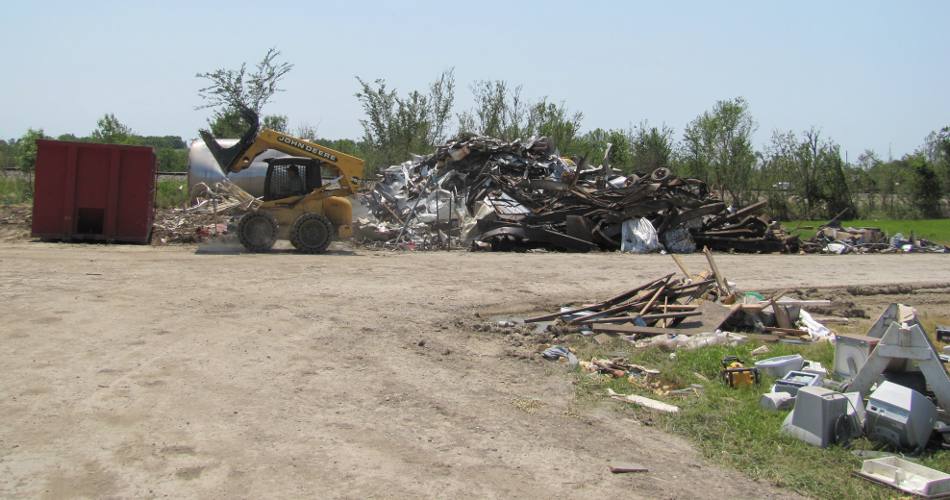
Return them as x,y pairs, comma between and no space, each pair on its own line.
645,317
679,264
649,303
696,284
762,337
623,469
720,281
613,310
630,329
784,331
644,401
677,314
600,305
663,322
803,303
832,320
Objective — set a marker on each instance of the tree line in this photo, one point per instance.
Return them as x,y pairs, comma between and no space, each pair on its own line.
801,174
170,150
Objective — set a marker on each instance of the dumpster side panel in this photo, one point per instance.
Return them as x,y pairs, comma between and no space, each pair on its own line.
93,191
49,187
136,196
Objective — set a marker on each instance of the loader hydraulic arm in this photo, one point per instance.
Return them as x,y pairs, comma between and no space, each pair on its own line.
254,142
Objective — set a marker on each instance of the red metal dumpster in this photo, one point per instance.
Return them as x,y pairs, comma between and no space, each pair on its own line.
88,191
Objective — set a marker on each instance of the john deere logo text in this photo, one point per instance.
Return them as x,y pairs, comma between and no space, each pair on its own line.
306,147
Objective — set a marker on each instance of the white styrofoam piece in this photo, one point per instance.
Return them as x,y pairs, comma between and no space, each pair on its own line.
907,476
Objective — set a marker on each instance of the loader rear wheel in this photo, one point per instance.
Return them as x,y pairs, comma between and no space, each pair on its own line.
257,231
311,233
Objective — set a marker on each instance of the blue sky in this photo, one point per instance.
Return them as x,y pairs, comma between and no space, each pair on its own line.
869,74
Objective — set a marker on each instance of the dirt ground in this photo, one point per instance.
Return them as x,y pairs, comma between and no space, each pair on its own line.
132,371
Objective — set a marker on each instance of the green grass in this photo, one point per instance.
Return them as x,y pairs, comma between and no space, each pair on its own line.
171,193
14,189
168,193
729,427
937,230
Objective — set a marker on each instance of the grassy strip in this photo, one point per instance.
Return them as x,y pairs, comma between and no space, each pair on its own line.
171,193
14,189
937,230
168,193
729,427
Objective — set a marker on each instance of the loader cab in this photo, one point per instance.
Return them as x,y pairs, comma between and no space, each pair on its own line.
291,176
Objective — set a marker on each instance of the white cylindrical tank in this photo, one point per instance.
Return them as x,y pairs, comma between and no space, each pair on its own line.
202,167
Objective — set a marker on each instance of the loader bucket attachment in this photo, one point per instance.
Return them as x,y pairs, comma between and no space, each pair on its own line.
229,157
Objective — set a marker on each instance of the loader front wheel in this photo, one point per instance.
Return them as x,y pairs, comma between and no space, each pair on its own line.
257,231
311,233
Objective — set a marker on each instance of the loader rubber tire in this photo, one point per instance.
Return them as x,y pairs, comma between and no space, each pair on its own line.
257,231
311,233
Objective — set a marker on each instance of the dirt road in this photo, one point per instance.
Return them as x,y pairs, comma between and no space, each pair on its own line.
145,372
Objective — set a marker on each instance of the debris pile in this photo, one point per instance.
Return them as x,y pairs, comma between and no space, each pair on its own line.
833,238
693,311
648,309
842,240
888,385
207,218
510,196
15,222
894,367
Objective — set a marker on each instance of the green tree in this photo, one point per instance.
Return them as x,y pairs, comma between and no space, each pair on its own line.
396,126
652,147
812,169
835,191
227,122
306,131
162,142
110,130
26,150
237,88
7,154
892,179
230,90
70,137
347,146
593,145
926,187
171,159
275,122
555,122
717,147
937,150
499,111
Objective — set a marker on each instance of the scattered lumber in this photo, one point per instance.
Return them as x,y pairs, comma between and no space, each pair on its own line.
644,401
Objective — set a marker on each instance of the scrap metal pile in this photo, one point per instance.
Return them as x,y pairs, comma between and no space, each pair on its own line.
515,196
